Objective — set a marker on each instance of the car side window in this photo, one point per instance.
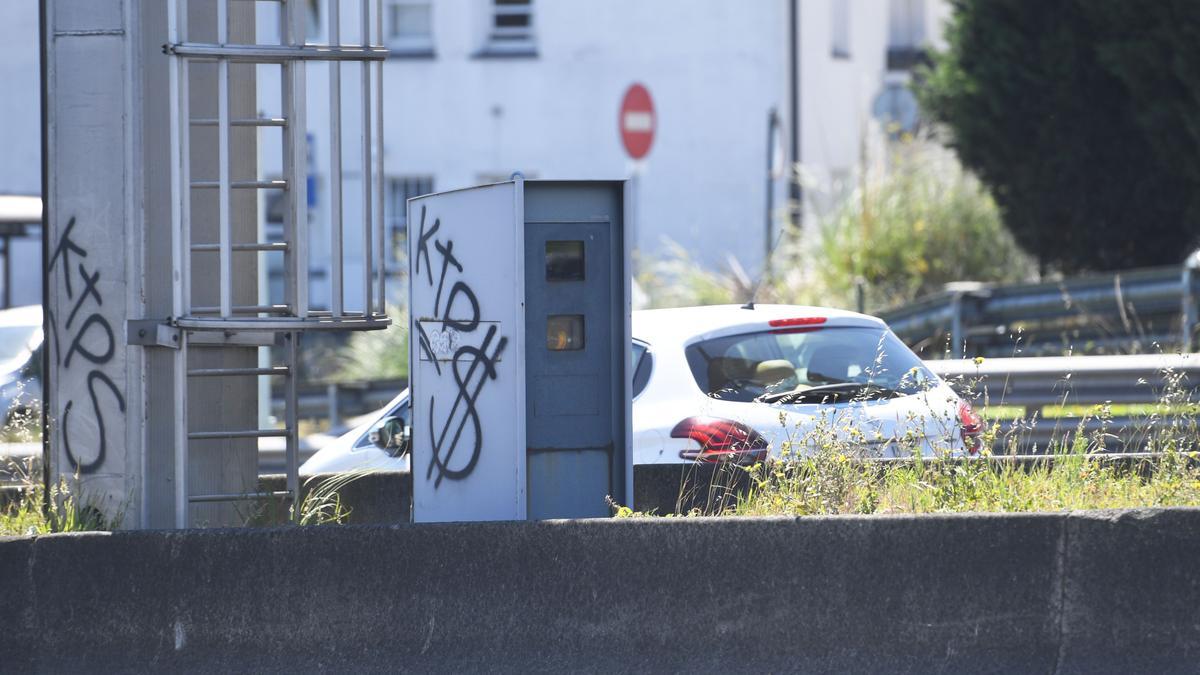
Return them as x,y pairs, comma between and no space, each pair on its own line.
401,411
643,363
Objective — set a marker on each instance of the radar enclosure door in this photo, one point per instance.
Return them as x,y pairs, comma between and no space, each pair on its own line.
520,351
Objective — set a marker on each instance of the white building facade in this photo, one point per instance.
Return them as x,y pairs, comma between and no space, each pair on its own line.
478,89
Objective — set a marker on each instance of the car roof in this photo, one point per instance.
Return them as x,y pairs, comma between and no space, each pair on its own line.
680,324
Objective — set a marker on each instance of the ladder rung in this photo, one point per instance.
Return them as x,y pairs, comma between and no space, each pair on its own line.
243,433
243,184
242,122
223,372
277,53
349,314
246,309
268,247
238,496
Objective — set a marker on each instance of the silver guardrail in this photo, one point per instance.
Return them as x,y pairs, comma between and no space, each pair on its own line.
1037,386
1133,310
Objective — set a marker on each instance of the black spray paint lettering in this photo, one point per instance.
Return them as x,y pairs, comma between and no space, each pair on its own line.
468,392
93,377
461,313
423,246
84,344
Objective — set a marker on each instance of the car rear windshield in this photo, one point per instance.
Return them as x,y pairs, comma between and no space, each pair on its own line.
748,366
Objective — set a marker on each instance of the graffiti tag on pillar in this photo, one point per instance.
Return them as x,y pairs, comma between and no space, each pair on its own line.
453,333
91,345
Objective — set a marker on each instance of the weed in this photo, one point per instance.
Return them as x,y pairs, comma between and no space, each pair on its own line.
33,509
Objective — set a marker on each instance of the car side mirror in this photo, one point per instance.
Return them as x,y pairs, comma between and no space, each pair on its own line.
392,436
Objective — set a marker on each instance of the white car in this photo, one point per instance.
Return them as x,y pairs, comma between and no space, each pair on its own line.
743,383
20,360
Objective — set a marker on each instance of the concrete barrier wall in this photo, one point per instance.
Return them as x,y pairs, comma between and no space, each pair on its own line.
1082,592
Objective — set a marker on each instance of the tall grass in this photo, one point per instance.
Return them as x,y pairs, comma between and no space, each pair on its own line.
830,483
824,470
904,231
33,509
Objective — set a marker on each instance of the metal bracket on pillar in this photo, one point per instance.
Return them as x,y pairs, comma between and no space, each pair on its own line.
153,333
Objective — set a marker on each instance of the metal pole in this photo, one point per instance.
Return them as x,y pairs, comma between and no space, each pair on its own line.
223,162
635,190
956,326
379,238
795,190
291,421
332,404
296,165
7,272
180,125
335,164
769,232
367,114
1189,300
47,383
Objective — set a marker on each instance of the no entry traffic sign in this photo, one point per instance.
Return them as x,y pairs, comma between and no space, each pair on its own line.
637,121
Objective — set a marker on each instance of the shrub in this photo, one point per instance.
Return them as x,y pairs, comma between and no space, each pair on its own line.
903,233
926,223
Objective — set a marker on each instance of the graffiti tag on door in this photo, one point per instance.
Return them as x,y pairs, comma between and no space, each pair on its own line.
460,345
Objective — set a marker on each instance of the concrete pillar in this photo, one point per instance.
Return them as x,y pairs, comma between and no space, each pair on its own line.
108,404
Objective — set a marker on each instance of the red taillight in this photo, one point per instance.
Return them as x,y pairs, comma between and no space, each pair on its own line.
970,426
720,440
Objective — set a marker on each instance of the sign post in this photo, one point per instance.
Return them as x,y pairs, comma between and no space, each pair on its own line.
636,122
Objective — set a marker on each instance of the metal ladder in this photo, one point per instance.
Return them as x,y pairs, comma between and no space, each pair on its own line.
229,324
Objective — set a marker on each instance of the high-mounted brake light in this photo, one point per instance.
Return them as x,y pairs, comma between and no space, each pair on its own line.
720,440
798,321
970,427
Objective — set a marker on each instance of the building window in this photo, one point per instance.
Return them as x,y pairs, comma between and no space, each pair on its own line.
395,215
409,26
840,30
511,29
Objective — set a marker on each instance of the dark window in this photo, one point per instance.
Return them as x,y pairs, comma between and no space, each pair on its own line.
564,332
395,213
512,21
564,261
643,363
